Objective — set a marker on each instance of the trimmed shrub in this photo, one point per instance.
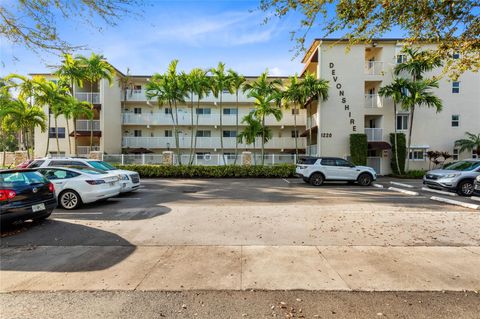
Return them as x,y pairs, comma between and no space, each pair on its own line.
189,171
414,174
402,152
358,149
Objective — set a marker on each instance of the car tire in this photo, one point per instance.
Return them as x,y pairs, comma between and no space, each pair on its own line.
365,179
69,199
465,188
316,179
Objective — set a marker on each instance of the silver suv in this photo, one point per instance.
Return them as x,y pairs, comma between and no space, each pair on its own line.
316,170
457,176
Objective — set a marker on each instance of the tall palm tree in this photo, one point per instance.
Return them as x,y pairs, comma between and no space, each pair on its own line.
419,93
472,142
72,70
74,109
252,130
169,89
236,82
396,91
96,68
311,89
267,95
293,94
220,81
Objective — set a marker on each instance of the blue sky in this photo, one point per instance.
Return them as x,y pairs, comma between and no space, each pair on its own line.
198,33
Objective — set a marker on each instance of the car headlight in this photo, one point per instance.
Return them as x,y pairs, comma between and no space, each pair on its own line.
451,175
123,177
478,179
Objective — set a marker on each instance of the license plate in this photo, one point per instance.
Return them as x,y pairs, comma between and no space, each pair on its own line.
38,207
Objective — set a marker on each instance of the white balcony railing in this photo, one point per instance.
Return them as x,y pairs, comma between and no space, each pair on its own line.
85,150
373,101
209,142
93,98
86,125
374,134
374,67
140,95
185,118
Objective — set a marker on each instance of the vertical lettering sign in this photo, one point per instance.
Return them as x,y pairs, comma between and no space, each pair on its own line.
343,99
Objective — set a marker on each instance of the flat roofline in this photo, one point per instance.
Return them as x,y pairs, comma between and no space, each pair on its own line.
145,77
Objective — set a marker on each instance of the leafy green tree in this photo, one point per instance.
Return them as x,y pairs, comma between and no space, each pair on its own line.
236,82
220,81
453,25
417,64
72,70
294,95
95,69
252,130
472,142
73,109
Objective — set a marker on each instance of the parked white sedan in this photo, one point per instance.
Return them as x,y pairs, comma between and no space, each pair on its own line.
75,186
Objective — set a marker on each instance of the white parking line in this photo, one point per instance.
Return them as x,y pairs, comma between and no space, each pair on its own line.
401,184
426,189
377,185
475,198
122,198
404,191
455,202
100,213
286,181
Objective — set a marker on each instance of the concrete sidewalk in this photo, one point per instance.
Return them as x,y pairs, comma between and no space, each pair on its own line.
55,268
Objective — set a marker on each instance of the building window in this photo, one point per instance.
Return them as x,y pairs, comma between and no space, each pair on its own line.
168,110
455,87
204,156
455,120
137,110
455,154
295,133
204,111
229,111
401,58
137,133
295,111
402,122
137,87
168,133
417,154
229,133
202,133
52,133
456,55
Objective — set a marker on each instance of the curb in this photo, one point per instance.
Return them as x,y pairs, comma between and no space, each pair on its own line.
455,202
426,189
401,184
377,185
395,189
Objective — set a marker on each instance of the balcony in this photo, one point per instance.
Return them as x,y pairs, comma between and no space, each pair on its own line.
374,134
374,67
373,101
208,142
87,125
85,150
311,121
140,95
93,98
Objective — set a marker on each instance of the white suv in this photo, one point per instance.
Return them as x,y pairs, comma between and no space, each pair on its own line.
129,180
316,170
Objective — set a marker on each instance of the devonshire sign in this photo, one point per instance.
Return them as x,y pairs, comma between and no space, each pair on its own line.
343,99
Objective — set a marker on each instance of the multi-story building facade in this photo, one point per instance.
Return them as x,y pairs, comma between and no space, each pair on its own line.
354,105
126,123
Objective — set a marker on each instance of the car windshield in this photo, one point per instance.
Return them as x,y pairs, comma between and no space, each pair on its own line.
11,179
104,166
462,166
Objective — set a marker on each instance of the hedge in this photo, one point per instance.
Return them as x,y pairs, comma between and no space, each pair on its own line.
414,174
358,149
402,152
281,170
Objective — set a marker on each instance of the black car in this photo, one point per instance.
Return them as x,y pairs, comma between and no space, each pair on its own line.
25,194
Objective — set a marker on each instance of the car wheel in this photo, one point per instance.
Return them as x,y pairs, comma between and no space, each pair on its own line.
316,179
365,179
465,188
69,199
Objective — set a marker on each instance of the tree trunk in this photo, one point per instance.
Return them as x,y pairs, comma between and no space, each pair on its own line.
91,120
190,159
295,127
196,129
412,111
221,129
253,153
68,136
236,140
75,135
263,140
48,133
177,138
26,144
395,137
56,136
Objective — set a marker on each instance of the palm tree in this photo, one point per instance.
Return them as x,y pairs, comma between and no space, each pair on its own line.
74,109
95,69
419,93
220,81
294,95
236,82
252,130
396,91
472,142
72,69
312,88
267,97
169,89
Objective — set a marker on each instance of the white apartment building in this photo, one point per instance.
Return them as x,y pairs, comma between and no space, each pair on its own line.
354,106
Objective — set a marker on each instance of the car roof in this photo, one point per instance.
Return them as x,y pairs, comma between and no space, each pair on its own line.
72,167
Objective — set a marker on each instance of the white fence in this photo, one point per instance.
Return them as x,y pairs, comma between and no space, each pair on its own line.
93,98
86,125
373,101
199,159
374,67
374,134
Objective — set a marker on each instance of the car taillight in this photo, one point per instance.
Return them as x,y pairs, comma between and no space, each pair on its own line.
96,182
51,188
6,194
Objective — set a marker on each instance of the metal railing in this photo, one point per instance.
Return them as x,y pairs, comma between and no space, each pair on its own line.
85,150
374,134
374,67
86,125
93,98
373,101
